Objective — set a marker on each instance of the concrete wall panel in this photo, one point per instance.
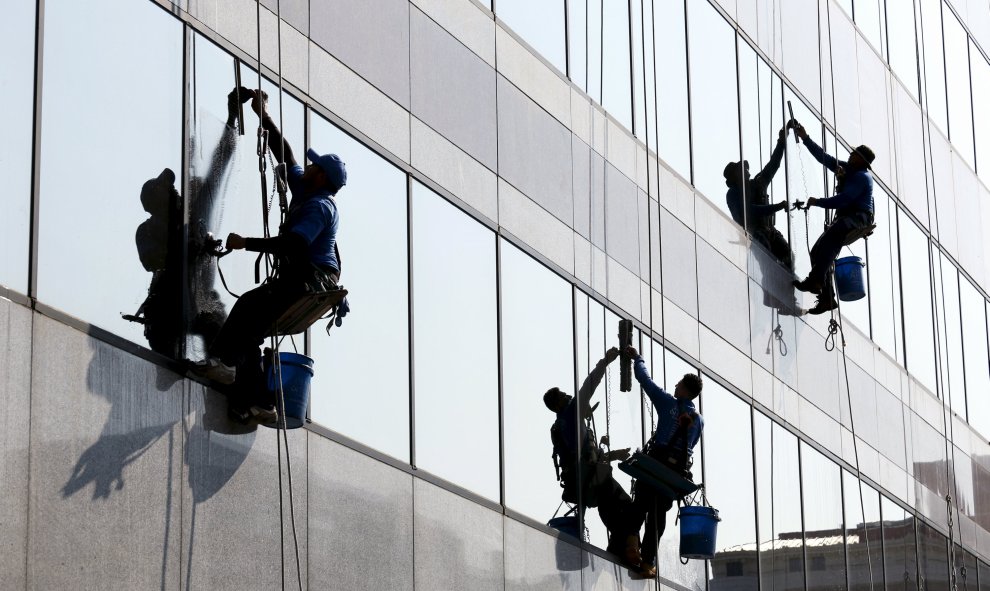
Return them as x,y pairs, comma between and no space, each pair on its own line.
15,416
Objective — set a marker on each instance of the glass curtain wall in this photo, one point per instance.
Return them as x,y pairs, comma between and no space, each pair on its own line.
17,41
778,489
900,556
96,253
823,520
864,546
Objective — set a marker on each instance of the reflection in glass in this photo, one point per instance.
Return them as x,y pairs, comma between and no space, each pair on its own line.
17,97
934,61
714,108
957,79
863,534
823,520
950,333
615,67
981,111
672,97
900,559
778,486
87,263
534,299
917,289
884,290
455,345
933,559
352,394
541,24
870,19
729,486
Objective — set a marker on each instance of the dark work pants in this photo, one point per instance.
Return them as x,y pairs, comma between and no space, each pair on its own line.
651,507
239,341
774,241
616,511
839,233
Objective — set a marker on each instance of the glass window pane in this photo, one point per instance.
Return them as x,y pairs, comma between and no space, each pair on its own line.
981,112
823,523
884,275
533,299
729,486
947,296
541,24
616,82
977,366
372,240
714,107
577,39
917,289
672,96
456,407
863,543
900,559
225,194
778,487
16,97
934,81
870,19
933,558
957,80
903,50
132,120
798,30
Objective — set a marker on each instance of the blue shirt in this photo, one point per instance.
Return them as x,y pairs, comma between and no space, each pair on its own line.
669,410
572,424
314,217
854,192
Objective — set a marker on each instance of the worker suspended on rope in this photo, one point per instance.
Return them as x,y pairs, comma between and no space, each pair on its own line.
678,430
308,261
750,205
592,465
853,202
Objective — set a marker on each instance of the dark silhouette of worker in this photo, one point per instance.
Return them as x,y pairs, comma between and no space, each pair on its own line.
678,430
853,202
307,262
750,205
585,470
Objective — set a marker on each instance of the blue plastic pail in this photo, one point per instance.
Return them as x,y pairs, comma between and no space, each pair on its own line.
849,279
568,524
698,528
297,374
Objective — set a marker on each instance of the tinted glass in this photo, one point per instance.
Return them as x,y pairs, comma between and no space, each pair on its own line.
456,408
916,276
947,296
933,558
541,24
714,108
957,80
729,485
533,299
672,96
366,397
863,543
823,520
16,96
88,263
900,559
934,61
974,331
225,192
778,487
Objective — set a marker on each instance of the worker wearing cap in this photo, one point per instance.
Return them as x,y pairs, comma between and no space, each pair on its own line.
308,260
853,205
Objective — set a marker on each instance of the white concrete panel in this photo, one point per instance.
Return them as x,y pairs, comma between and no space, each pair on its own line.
15,413
677,196
465,21
536,226
533,77
581,116
454,170
294,50
621,149
726,360
680,328
623,288
348,95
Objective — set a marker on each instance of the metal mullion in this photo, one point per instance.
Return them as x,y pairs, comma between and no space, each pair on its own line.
411,322
39,52
690,119
499,361
188,114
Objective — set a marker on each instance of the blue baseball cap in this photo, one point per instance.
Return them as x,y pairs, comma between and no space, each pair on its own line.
332,165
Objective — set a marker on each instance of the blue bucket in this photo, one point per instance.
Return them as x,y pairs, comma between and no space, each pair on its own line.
698,528
849,279
568,524
297,375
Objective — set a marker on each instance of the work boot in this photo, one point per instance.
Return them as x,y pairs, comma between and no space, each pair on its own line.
215,370
808,285
630,554
647,570
824,304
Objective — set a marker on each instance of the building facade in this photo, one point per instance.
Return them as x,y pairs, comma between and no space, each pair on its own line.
521,176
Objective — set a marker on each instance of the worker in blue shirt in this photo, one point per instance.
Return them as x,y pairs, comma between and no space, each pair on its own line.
679,428
749,202
308,261
579,459
853,205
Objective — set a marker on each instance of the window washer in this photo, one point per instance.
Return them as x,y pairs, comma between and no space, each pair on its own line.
853,202
308,261
678,430
750,205
599,486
